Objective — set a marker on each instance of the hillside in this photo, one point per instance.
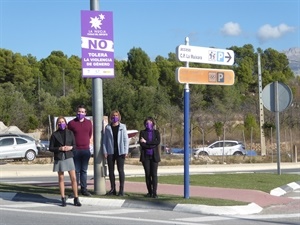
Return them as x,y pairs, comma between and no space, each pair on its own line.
293,54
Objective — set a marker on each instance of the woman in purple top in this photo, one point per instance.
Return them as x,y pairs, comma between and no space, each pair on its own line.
150,155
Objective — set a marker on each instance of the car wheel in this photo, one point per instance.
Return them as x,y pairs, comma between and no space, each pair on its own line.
203,153
237,153
30,155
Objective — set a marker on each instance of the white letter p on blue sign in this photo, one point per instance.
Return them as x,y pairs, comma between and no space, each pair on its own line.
220,56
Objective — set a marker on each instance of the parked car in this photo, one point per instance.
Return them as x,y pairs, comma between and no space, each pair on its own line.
180,151
14,147
40,146
165,149
45,144
224,147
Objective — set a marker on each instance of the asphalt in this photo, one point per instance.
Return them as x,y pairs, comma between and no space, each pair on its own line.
255,201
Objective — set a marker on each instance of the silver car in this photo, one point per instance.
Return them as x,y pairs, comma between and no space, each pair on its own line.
40,146
12,147
224,147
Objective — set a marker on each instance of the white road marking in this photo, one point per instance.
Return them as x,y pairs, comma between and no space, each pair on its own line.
27,205
117,211
248,217
294,197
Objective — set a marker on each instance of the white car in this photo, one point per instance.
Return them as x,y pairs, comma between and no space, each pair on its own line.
225,147
40,146
13,147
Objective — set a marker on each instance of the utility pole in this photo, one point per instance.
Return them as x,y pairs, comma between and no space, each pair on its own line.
99,178
261,109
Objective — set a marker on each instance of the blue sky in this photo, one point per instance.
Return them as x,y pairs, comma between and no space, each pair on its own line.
39,27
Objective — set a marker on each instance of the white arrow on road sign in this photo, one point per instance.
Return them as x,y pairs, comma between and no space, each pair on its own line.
187,53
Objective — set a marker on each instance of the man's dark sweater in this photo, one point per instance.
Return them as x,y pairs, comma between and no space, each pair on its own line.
83,132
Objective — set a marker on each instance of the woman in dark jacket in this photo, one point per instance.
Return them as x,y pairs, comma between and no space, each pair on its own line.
62,144
150,155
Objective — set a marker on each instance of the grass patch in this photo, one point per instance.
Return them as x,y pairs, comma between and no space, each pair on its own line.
253,181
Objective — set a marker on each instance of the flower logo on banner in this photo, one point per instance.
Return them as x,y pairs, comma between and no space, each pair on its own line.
97,21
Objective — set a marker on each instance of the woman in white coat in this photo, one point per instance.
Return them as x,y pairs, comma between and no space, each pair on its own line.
115,149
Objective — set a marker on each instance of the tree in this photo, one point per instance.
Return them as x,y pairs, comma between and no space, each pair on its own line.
245,67
251,127
119,94
15,110
52,70
140,69
34,89
166,70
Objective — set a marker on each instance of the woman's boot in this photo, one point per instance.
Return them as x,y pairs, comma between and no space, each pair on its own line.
112,190
77,202
121,191
63,202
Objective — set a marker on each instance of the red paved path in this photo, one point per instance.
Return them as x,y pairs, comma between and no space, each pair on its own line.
250,196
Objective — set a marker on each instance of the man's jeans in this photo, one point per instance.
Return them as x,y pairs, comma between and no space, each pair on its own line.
81,160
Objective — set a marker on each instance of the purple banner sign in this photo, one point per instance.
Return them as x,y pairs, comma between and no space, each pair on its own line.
97,45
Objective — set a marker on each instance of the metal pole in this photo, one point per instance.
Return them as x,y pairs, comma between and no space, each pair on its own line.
186,134
272,144
277,126
202,138
99,178
191,145
223,150
251,138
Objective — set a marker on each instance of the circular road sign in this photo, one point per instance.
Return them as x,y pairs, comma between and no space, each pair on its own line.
283,94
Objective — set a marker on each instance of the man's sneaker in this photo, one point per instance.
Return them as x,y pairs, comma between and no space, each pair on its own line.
86,193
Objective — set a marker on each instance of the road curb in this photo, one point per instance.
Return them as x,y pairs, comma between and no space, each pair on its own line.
251,208
285,189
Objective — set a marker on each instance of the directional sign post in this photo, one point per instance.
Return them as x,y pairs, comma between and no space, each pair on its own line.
204,76
186,75
187,53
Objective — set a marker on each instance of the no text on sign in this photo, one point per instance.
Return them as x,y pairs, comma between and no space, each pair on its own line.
204,76
277,91
187,53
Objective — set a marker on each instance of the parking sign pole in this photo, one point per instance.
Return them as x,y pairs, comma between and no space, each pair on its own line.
186,134
277,126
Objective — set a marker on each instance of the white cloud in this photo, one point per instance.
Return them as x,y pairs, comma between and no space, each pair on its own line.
231,29
267,32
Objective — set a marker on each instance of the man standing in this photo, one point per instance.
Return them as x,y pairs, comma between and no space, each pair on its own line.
83,131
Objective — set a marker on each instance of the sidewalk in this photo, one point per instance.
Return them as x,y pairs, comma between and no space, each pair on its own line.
40,170
257,200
